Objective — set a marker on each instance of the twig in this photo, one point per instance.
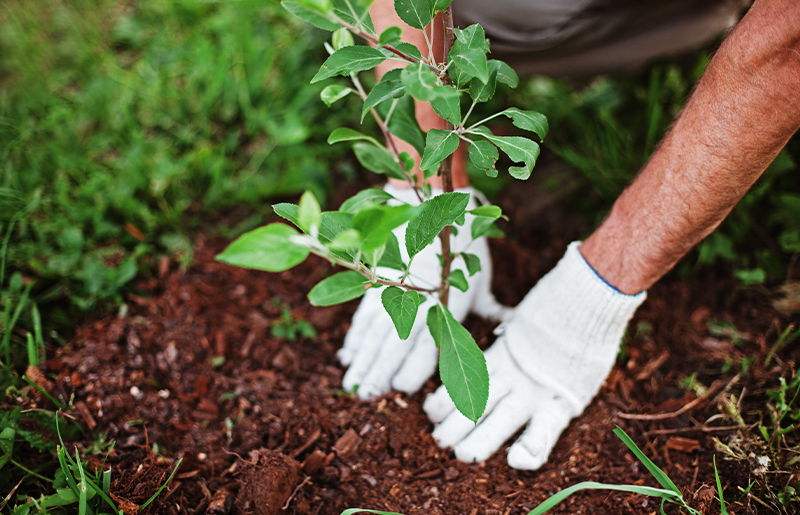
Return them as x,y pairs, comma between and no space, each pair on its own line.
8,497
662,416
446,168
385,130
306,480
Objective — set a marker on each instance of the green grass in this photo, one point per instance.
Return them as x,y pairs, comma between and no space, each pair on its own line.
122,127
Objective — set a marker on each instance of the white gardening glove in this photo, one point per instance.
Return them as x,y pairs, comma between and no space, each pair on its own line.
379,360
553,356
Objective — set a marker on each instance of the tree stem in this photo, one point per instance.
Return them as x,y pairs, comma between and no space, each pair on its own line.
446,168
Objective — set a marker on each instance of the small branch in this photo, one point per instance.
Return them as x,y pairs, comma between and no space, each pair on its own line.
446,168
387,136
375,41
366,272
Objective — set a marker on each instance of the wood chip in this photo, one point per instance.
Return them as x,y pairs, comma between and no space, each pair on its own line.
682,444
314,462
221,503
652,366
86,414
430,474
313,438
347,444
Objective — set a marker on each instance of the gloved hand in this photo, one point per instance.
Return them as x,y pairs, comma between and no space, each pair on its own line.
379,360
551,359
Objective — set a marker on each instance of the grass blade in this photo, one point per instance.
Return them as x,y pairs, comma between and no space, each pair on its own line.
722,509
162,486
82,497
33,352
657,473
351,511
667,495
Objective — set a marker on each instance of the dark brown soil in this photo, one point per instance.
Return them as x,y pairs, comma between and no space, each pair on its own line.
193,371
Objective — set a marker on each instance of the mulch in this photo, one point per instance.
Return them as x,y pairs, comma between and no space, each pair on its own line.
193,371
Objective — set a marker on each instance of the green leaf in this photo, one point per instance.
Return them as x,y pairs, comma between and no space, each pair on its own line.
484,227
375,223
446,104
528,120
348,60
441,5
462,366
364,199
408,49
438,212
473,263
333,93
338,288
342,38
386,89
309,213
390,35
345,134
521,150
472,61
391,257
471,37
484,155
6,445
458,280
505,74
404,125
657,473
267,248
347,240
322,6
332,223
591,485
419,81
312,17
438,145
378,160
416,13
402,307
483,92
354,13
487,211
407,160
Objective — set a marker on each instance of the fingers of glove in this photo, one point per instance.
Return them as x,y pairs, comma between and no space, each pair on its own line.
365,316
420,364
438,405
505,419
367,350
455,427
390,357
533,448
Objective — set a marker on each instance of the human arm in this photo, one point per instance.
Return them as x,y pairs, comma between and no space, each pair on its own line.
743,111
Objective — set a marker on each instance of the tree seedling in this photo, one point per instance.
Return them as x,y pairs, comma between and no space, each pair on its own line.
359,236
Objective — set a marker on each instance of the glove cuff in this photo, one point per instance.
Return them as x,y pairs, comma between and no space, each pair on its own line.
577,320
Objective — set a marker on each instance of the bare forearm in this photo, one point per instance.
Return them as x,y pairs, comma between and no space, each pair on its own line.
742,113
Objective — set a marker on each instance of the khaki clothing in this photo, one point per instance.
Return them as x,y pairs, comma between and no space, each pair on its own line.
587,37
